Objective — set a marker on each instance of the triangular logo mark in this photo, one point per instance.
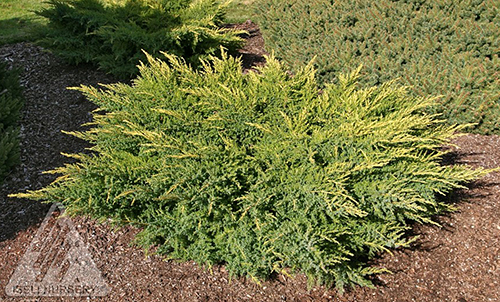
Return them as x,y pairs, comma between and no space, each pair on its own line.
57,263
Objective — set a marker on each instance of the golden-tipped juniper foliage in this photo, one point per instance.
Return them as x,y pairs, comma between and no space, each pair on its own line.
438,47
112,34
10,106
262,171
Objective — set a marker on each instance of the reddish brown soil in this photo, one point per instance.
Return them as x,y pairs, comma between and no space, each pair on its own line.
458,262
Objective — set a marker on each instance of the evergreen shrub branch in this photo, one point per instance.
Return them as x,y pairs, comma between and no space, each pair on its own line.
438,47
263,172
11,103
113,34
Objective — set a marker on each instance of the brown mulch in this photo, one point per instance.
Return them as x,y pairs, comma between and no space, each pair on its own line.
458,262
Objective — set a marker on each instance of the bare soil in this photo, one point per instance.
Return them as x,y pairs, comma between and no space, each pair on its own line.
458,262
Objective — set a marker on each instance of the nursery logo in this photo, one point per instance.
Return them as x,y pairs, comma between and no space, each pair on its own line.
57,263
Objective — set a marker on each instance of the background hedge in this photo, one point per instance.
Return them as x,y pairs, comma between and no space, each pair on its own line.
113,34
439,47
10,106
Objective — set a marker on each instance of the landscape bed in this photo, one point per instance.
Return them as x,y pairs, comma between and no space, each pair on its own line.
458,261
443,256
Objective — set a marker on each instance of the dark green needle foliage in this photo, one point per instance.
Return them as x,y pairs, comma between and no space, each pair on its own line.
263,171
439,47
112,34
10,106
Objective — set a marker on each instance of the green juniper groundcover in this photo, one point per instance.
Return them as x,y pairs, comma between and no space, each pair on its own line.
113,34
263,172
438,47
11,102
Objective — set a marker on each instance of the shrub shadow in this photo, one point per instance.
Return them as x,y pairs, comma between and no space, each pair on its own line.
16,30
